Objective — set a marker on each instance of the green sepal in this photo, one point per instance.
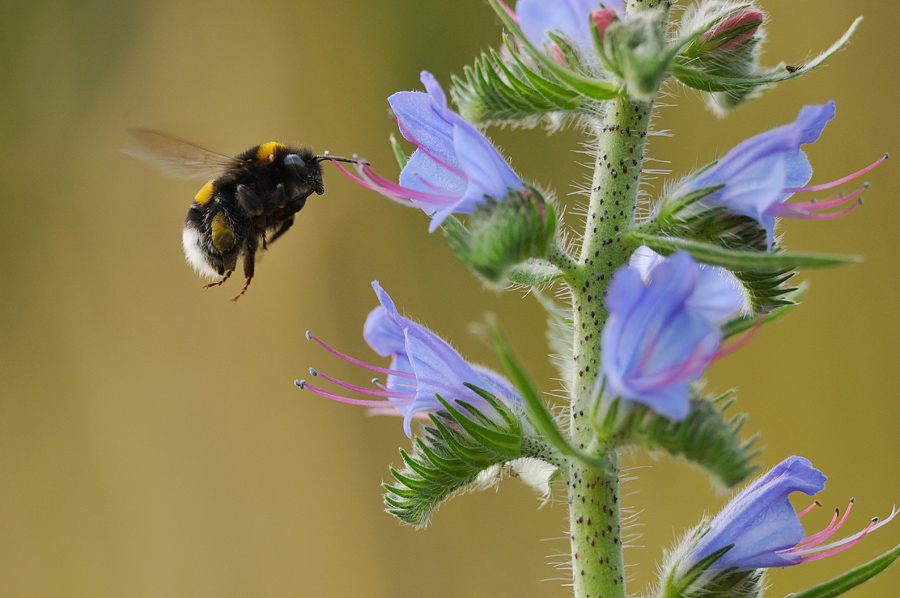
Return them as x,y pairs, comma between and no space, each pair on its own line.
399,154
786,303
741,260
501,90
705,437
705,80
450,455
589,87
850,579
538,413
504,233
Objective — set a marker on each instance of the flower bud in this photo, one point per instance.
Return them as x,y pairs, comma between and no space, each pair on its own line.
634,50
728,46
603,18
504,233
728,32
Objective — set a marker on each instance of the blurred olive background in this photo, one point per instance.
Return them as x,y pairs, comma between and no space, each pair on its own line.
151,440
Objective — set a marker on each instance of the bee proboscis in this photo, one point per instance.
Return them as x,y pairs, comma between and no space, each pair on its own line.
249,201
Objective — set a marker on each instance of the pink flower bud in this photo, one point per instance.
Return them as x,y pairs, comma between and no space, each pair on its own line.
735,29
603,18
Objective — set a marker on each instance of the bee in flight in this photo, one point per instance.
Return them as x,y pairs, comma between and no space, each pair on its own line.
250,201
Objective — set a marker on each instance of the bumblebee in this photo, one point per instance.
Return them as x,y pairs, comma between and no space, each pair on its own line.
250,201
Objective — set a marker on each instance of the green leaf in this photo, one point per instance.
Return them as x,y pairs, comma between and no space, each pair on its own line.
539,414
740,260
852,578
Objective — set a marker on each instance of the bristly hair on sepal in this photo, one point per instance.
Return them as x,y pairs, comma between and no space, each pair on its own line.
698,581
504,233
705,438
452,453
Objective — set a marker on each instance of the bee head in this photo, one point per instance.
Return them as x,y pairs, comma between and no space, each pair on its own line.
306,168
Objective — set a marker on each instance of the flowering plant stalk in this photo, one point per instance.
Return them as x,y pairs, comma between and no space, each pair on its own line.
653,300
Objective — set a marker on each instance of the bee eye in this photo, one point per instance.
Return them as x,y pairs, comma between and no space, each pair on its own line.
295,161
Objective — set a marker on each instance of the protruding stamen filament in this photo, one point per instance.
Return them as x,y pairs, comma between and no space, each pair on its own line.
811,210
812,549
361,364
833,184
737,344
842,547
361,389
809,508
303,385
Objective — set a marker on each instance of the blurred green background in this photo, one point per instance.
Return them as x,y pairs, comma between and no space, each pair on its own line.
151,440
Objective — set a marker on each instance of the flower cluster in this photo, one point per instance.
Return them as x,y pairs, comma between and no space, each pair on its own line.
654,321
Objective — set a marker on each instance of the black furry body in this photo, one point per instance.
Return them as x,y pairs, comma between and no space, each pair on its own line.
249,205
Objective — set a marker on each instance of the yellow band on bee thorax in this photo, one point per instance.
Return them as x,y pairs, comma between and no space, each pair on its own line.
268,149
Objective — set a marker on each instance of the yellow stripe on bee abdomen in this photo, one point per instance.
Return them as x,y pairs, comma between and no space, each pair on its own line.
205,195
268,149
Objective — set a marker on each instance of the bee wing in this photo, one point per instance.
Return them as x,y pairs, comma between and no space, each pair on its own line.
176,156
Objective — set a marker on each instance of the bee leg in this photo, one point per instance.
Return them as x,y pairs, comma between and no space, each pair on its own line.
281,230
249,268
218,282
249,201
281,198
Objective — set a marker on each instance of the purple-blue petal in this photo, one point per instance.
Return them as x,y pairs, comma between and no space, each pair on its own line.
653,344
437,367
419,123
760,521
569,17
382,333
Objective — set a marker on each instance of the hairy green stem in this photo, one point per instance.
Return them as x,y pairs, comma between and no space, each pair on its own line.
598,566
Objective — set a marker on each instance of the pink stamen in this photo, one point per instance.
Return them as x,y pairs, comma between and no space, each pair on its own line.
806,210
302,385
842,547
832,202
813,552
361,364
362,389
398,191
849,177
738,343
816,539
809,508
828,216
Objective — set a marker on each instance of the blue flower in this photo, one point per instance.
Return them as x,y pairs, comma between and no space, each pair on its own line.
661,333
761,173
454,167
763,529
572,18
422,365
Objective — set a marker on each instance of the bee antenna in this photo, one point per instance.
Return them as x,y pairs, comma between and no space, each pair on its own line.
328,156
